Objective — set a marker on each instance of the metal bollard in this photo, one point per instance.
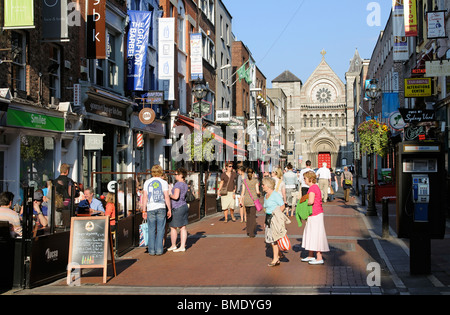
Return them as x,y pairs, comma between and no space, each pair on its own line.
385,218
363,196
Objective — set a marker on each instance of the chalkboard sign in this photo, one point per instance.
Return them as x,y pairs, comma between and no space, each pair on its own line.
90,244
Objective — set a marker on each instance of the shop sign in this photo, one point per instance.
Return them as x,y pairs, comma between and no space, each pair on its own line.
417,116
147,116
18,118
105,110
418,87
437,68
96,29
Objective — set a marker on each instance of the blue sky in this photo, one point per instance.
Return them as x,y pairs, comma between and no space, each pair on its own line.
290,34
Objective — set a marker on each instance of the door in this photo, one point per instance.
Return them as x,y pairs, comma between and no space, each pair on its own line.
324,157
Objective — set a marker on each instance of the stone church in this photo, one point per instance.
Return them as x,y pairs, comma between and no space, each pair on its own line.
320,115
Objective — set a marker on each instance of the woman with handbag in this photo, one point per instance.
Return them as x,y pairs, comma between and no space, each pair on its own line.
346,183
250,193
314,237
180,211
272,201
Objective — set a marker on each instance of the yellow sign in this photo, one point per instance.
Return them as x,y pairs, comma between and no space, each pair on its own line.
19,14
420,87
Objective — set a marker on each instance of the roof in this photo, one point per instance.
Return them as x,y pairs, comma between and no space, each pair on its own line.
286,76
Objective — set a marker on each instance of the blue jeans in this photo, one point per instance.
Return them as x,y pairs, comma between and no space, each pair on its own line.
156,220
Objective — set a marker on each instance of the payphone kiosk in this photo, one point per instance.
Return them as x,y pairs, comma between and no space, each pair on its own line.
421,194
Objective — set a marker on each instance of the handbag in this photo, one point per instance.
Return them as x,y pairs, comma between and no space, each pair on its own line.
143,234
284,243
257,203
189,197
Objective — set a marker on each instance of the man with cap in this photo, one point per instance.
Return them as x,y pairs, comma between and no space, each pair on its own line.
37,208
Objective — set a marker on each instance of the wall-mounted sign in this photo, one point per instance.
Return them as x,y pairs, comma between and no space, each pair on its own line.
417,87
436,24
417,116
166,53
105,110
153,97
196,57
223,115
396,121
54,21
96,29
147,116
18,14
33,120
440,68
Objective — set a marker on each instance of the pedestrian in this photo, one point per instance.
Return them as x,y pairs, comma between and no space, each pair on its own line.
280,187
324,176
304,186
273,203
346,183
40,217
227,189
9,215
239,186
155,199
63,187
290,181
250,192
333,188
180,211
314,236
95,205
111,210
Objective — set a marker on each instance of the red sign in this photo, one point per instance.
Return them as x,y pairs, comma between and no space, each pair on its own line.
96,29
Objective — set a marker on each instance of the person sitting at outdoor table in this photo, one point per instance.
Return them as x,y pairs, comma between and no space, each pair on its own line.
41,217
9,215
95,205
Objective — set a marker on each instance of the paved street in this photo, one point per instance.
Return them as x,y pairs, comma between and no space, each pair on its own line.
221,259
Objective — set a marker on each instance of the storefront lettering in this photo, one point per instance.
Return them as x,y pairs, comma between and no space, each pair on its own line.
105,110
38,119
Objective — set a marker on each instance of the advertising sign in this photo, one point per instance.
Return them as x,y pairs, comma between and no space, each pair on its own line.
420,87
54,21
437,68
137,44
410,13
166,52
33,120
96,29
436,24
196,57
19,14
398,24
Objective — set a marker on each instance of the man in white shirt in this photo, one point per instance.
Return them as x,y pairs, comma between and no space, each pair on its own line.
304,186
324,182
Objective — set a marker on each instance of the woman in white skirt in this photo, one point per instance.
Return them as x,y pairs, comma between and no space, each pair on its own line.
314,236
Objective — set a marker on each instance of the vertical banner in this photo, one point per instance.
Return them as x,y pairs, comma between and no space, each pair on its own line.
410,18
196,57
54,21
96,29
166,52
390,104
398,25
436,24
137,44
19,14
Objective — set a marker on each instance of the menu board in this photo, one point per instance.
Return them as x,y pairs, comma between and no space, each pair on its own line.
90,244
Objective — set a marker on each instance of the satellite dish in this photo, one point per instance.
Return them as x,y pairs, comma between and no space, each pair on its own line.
112,186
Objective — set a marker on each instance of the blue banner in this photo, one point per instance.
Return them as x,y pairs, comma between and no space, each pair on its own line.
137,44
390,104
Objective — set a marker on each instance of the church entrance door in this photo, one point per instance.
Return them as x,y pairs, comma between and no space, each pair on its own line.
324,157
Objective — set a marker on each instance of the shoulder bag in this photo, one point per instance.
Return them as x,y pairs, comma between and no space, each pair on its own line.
258,205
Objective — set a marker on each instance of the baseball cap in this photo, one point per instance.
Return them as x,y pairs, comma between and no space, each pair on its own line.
38,196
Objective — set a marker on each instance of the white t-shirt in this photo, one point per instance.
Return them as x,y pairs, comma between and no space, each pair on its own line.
323,173
302,172
155,188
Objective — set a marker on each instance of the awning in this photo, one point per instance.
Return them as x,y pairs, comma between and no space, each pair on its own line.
190,122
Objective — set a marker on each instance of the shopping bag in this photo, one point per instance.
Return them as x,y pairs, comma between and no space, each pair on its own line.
284,243
143,234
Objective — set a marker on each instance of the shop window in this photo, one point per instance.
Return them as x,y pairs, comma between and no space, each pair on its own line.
18,56
54,71
181,27
111,61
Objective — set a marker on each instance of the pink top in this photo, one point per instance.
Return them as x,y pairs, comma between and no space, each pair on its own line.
317,206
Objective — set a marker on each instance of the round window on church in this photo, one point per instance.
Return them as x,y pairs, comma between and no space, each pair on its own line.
323,95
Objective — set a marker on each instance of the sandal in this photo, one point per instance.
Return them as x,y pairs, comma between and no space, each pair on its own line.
274,264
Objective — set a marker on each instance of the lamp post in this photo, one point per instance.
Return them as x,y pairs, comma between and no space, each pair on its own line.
373,92
200,90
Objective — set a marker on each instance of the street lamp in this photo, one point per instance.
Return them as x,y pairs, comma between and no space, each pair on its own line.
200,90
373,92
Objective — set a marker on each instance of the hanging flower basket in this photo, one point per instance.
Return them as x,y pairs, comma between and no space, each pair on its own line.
374,137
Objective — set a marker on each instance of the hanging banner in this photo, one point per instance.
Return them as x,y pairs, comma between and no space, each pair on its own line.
196,57
436,24
96,29
410,18
19,14
398,24
390,104
138,34
54,21
166,52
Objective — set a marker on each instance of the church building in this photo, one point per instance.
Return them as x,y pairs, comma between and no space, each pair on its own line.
319,117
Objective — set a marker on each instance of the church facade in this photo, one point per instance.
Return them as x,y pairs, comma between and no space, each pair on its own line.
320,116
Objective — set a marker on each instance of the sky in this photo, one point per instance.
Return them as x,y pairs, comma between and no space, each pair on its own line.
290,34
